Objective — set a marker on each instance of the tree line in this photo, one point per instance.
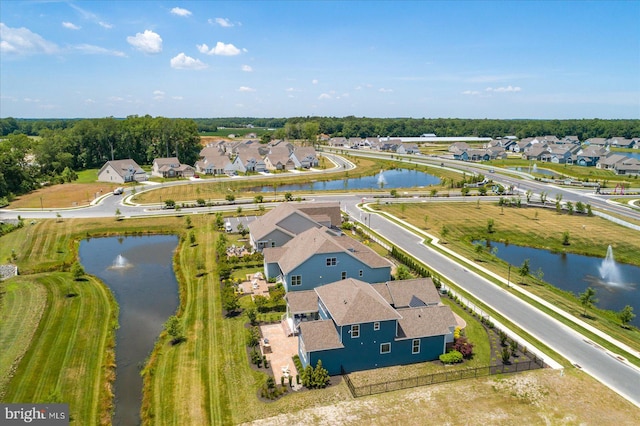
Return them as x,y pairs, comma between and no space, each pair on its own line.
86,144
297,127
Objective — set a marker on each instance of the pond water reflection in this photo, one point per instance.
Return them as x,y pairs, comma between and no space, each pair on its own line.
139,272
398,178
574,273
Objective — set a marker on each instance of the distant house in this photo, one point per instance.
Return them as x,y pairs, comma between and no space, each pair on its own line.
361,326
278,158
170,168
319,256
249,160
304,157
408,148
121,171
590,155
283,223
597,142
215,164
619,142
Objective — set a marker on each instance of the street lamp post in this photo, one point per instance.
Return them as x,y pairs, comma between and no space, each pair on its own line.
509,277
41,206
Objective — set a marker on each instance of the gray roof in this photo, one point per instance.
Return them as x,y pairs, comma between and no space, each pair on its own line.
425,322
122,167
275,219
321,240
302,302
409,293
319,336
352,301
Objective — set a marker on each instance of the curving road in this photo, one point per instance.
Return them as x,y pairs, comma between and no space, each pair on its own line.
604,366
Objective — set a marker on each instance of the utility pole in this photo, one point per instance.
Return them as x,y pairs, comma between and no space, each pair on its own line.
509,277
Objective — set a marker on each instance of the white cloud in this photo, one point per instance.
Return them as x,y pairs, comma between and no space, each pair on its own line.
147,42
105,25
223,22
177,98
220,48
184,62
22,41
290,89
89,101
70,25
115,98
158,95
247,68
246,89
180,11
90,49
324,96
314,81
504,89
470,92
383,90
29,100
90,16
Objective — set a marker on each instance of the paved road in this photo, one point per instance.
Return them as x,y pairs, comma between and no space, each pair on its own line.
620,377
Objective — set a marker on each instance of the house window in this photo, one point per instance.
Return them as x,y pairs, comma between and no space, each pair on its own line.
344,275
296,280
376,326
332,261
415,346
355,331
273,243
360,273
385,348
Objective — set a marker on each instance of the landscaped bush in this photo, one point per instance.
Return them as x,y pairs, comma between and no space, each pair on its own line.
452,357
462,345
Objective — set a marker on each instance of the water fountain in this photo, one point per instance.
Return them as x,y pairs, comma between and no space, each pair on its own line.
381,180
535,168
609,271
120,262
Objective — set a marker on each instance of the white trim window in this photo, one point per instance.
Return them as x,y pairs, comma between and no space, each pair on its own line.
376,326
343,275
296,280
385,348
355,331
360,273
415,346
332,261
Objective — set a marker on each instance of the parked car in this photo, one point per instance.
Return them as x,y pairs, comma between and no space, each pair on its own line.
119,190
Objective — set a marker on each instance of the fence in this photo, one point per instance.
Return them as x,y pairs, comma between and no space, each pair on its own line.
432,379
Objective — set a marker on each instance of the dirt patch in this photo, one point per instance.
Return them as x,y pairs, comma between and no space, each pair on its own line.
67,195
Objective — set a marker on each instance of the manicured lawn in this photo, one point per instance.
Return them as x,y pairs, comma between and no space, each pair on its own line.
588,235
70,355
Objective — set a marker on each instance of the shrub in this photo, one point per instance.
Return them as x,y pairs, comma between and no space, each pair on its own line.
463,346
452,357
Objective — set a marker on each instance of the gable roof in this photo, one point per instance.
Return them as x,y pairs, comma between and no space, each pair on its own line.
352,301
319,336
122,167
409,293
322,241
424,322
301,302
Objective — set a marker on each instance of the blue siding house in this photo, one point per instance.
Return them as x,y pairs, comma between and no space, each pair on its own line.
321,256
362,326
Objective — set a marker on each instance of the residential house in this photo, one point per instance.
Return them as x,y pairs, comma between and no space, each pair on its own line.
362,326
304,157
522,145
320,256
630,166
590,155
171,168
408,148
557,154
459,147
216,164
279,158
338,142
249,160
619,142
121,171
283,223
598,142
571,140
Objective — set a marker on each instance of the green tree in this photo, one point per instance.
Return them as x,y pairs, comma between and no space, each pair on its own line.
524,269
320,377
482,191
402,273
252,315
479,248
490,226
219,221
258,199
192,238
464,191
230,198
77,271
565,238
444,231
587,299
174,329
528,194
288,196
188,222
626,315
170,204
118,214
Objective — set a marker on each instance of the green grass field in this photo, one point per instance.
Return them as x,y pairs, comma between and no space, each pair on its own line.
69,354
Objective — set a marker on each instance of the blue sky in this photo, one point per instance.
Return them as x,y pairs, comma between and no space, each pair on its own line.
508,59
